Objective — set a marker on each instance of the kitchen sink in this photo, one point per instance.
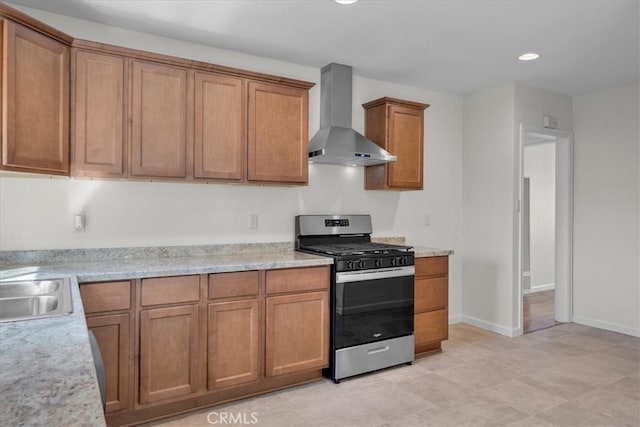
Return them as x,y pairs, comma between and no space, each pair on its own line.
20,289
34,299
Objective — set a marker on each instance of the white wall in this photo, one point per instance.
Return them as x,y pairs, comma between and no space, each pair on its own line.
491,170
35,213
540,167
487,206
606,210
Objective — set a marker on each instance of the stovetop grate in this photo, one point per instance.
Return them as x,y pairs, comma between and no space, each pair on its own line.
357,248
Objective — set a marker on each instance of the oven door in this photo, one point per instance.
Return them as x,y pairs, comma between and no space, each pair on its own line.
373,305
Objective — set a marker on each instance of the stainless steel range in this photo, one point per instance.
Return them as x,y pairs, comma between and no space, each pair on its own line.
371,293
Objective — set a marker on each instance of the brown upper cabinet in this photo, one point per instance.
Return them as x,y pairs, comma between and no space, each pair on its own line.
99,144
35,99
278,140
219,146
185,123
141,115
398,127
159,102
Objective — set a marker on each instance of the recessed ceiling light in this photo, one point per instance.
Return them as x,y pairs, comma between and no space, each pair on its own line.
529,56
345,1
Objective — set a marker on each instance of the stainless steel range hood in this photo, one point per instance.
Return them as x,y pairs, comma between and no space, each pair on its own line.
336,142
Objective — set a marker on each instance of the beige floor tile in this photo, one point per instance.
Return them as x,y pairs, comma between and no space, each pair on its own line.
522,361
570,414
469,352
607,336
477,375
480,378
583,341
338,411
401,373
558,382
468,334
525,397
592,370
627,386
606,361
427,417
440,391
624,352
618,407
532,421
571,327
392,401
437,362
483,410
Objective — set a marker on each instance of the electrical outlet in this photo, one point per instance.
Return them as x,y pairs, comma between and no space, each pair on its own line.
253,221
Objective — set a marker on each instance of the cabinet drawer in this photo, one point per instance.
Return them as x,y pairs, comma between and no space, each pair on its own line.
431,326
431,294
432,266
169,290
297,279
224,285
106,296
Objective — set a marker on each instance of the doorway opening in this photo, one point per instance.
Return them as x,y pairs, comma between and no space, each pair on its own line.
545,228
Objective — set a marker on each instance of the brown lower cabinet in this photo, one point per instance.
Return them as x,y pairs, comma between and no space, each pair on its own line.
112,333
431,318
233,343
173,344
108,308
168,352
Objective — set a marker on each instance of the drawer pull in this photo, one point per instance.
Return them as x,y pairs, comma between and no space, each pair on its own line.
379,350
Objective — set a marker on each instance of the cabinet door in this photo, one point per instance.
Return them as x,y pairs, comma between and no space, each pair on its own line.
219,127
406,142
431,294
431,326
234,343
158,120
99,143
168,352
278,138
112,334
297,333
35,121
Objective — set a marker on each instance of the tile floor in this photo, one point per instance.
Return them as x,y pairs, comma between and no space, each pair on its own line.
567,375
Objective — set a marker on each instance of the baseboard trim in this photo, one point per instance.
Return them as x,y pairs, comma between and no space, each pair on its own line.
602,324
455,319
489,326
534,289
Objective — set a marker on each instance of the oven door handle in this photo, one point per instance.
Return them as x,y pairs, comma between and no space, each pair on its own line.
385,273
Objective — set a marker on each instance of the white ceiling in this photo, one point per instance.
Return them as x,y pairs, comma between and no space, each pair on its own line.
450,46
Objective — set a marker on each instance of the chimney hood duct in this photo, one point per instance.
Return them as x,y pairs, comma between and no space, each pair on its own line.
336,142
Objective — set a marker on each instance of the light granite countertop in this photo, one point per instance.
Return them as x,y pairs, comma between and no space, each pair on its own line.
423,252
47,376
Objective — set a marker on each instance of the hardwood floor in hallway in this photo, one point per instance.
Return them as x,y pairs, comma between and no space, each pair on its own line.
538,311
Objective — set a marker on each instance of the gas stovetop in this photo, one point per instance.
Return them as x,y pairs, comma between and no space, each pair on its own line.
364,248
347,238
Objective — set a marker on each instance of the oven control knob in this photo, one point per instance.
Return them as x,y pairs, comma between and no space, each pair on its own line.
393,262
378,263
403,260
361,264
349,265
